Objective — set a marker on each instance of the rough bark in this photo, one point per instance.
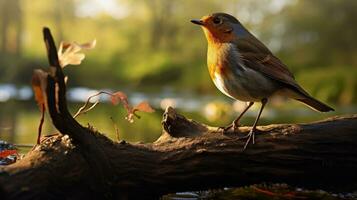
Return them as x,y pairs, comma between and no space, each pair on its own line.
80,163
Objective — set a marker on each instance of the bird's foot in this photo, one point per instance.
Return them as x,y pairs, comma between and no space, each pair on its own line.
232,127
251,137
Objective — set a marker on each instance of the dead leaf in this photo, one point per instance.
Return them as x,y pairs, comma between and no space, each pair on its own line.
116,98
144,107
68,52
89,45
119,97
39,84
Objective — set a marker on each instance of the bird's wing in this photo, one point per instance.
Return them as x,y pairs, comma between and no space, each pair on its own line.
275,69
272,67
255,55
251,44
269,65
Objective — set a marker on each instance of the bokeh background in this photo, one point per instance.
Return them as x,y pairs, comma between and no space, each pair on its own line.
151,51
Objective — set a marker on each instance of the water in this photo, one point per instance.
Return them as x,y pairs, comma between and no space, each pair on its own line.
19,114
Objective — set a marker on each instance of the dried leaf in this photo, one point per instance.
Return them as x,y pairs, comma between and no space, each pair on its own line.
39,85
89,45
144,107
116,98
119,97
68,52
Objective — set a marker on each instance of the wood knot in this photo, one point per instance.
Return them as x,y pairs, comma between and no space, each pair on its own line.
177,125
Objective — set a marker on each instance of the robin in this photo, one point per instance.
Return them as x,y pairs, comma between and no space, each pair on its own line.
243,68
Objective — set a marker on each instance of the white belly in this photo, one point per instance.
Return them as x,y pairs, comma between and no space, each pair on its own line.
248,86
219,83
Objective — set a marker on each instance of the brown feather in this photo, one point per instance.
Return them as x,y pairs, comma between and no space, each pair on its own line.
251,44
317,105
257,56
270,65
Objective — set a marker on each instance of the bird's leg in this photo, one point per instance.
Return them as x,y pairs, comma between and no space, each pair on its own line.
252,131
235,123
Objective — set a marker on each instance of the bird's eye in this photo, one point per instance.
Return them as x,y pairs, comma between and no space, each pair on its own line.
217,20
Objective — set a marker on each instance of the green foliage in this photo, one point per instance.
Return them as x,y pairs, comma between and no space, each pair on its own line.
333,84
322,31
153,44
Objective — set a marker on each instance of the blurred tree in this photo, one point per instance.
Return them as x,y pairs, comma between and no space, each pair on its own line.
318,40
321,32
63,12
152,43
11,26
160,13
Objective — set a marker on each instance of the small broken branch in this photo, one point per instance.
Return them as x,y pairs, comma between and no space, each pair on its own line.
117,97
116,129
83,109
42,120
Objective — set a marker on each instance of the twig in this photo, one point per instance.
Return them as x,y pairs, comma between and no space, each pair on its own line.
24,145
131,111
83,110
116,129
41,124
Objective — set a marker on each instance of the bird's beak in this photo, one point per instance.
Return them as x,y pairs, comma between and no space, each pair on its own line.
198,22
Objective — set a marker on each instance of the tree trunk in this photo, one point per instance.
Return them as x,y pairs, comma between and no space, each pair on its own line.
11,18
81,163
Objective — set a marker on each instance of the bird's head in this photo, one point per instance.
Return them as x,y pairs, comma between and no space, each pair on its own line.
221,27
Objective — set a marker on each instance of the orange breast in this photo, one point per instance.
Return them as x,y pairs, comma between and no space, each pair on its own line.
216,62
215,35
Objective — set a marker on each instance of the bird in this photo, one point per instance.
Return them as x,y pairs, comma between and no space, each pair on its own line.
244,69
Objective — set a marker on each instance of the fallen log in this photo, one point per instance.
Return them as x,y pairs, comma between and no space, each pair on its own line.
80,163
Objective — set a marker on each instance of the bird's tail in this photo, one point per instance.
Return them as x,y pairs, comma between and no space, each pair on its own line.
315,104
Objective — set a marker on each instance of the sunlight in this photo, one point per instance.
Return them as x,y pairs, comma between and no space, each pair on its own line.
166,102
92,8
